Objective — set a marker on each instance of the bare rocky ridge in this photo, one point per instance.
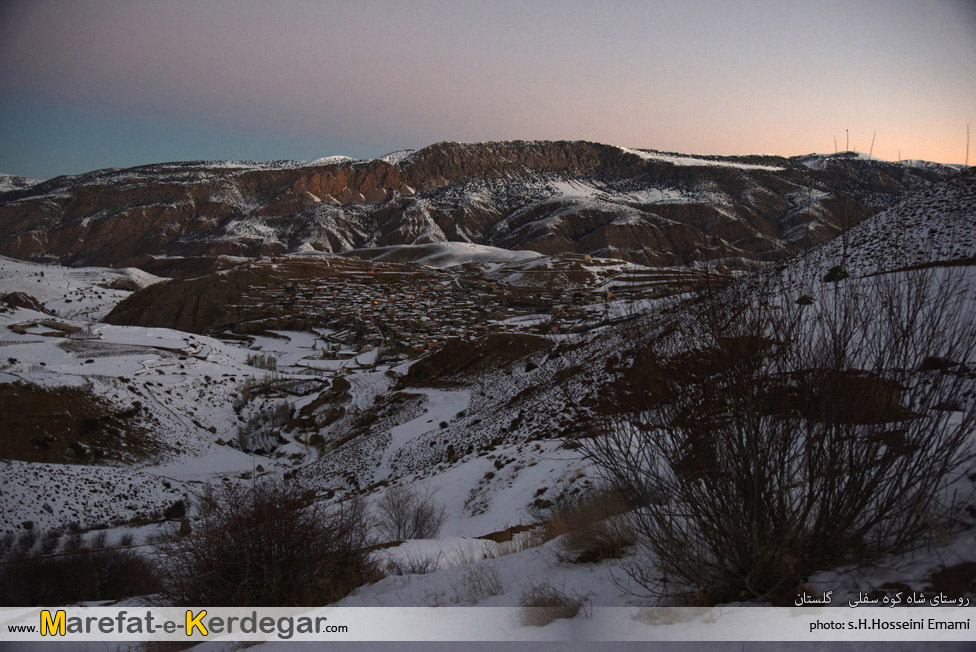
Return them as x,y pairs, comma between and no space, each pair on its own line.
551,197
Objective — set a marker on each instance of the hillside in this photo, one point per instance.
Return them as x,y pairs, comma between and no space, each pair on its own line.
442,254
10,182
471,373
934,226
505,444
87,293
642,206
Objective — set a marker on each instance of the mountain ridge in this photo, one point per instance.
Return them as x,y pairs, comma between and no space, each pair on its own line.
551,197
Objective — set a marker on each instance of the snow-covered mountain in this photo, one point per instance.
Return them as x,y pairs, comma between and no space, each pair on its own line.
112,425
643,206
10,182
821,161
933,226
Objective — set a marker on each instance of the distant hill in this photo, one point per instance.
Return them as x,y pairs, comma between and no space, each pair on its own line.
10,182
442,254
643,206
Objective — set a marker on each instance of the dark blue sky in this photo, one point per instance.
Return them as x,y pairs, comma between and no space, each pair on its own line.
43,139
91,84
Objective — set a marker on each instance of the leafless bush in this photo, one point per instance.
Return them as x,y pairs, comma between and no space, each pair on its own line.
81,571
478,582
405,513
594,526
6,543
764,438
419,564
543,604
467,554
263,545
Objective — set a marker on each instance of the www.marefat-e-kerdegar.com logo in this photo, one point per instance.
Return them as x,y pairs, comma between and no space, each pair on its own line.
60,623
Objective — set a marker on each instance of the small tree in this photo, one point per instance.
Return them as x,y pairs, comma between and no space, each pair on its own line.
405,513
764,438
81,570
263,545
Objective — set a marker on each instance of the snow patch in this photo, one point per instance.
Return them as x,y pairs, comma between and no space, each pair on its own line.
685,160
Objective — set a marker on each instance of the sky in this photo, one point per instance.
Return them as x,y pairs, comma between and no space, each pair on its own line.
93,84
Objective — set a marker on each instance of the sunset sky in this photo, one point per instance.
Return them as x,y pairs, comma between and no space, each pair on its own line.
86,85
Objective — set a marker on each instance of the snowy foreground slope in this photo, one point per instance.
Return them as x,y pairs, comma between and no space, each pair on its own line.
511,401
175,389
478,424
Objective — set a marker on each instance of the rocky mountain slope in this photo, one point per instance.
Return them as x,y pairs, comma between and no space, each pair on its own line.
478,422
932,227
10,182
642,206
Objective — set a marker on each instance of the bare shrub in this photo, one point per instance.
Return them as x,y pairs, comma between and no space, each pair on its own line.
466,555
80,572
595,526
543,604
522,541
419,564
50,541
764,439
478,582
405,513
263,545
6,544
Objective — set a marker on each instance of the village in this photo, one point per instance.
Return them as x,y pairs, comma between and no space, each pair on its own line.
402,311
